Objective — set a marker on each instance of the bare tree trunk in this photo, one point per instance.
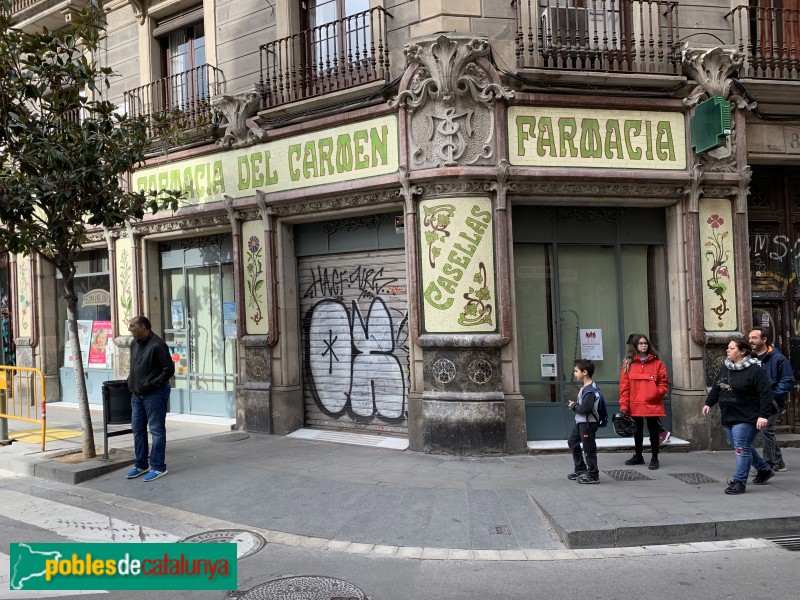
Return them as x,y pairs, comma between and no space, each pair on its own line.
80,381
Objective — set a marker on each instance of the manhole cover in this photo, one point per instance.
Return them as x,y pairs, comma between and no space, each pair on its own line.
627,475
247,542
694,478
500,530
304,588
234,436
791,542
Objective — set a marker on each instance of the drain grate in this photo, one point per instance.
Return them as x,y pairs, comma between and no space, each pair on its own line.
627,475
790,542
235,436
303,588
694,478
500,530
247,542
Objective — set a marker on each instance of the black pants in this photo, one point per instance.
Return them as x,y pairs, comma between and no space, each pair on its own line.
653,427
583,434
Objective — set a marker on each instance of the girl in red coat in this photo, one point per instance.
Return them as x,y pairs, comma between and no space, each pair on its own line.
643,384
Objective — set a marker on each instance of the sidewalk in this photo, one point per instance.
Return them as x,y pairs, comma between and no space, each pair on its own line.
325,493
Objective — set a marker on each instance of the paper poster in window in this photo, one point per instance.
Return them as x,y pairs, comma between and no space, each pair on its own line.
592,344
99,353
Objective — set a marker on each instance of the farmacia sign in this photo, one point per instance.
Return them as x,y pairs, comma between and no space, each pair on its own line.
344,153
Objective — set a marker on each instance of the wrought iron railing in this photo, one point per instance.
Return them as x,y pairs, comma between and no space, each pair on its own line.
185,95
18,5
626,36
769,38
327,58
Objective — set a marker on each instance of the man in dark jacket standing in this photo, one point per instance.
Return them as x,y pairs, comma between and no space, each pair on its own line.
781,377
148,381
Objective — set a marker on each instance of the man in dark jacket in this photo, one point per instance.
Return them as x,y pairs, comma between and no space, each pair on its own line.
781,377
148,381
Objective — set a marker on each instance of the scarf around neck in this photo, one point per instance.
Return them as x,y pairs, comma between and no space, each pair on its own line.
746,362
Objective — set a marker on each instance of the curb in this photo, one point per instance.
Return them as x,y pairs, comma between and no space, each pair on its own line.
578,528
56,470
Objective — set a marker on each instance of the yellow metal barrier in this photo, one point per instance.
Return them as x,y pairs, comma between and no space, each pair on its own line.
22,396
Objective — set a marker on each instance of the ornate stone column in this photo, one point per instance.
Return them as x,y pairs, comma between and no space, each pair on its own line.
456,241
716,231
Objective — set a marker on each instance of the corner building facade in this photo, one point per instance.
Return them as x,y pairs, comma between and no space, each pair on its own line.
386,228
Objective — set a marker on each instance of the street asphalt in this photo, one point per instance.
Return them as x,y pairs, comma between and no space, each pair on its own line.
401,503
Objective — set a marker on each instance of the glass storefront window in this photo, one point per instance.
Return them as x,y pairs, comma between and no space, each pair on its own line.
92,274
562,289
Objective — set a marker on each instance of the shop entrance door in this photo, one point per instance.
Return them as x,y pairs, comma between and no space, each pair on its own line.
200,311
581,299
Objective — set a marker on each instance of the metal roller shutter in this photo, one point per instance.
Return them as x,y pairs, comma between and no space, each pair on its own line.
354,313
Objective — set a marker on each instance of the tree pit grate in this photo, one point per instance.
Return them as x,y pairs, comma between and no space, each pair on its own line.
627,475
694,478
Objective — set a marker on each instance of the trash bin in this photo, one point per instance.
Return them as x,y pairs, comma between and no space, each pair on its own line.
116,402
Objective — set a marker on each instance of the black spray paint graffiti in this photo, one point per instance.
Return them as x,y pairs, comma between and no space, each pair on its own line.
352,364
332,283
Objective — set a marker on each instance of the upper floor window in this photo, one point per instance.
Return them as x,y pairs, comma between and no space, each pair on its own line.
184,49
319,12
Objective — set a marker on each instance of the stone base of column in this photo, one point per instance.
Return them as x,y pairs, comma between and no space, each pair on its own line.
688,423
263,407
464,424
270,409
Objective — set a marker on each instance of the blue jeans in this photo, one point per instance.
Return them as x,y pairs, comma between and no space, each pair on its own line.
740,437
772,450
150,412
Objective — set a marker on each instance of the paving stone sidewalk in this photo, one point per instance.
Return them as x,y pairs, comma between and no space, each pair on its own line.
337,494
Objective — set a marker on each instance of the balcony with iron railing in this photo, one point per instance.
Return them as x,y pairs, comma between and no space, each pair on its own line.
18,5
32,15
336,56
612,36
183,98
769,39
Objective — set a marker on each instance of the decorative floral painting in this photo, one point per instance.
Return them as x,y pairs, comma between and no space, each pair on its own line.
457,276
124,284
25,296
717,267
255,281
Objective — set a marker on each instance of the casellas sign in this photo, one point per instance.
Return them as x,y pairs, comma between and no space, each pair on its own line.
344,153
608,139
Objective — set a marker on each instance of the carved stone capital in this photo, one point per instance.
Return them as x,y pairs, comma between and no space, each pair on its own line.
238,110
745,176
450,101
712,69
501,185
408,189
139,9
694,191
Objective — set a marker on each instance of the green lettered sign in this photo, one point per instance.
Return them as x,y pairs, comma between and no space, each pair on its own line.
345,153
123,566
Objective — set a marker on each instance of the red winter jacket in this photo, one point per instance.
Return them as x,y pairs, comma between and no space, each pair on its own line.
643,387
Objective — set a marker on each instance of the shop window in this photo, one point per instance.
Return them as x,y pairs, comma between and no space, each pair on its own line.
93,289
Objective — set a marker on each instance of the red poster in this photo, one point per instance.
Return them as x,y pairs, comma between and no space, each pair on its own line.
101,338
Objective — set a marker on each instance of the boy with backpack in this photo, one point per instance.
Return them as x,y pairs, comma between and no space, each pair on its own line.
590,413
